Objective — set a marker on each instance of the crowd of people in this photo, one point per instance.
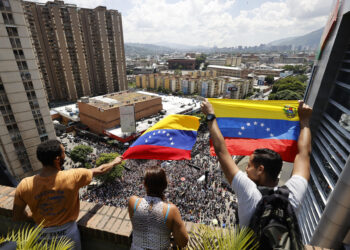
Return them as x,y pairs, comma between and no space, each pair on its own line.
197,187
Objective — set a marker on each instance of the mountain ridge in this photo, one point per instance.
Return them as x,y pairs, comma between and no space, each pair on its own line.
310,40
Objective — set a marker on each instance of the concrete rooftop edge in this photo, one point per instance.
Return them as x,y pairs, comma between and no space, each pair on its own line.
106,224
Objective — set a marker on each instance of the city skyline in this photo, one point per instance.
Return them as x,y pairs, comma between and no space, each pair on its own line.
214,22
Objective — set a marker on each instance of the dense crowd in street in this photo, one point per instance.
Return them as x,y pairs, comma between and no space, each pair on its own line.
197,187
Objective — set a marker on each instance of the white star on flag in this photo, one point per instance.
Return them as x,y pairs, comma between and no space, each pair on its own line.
158,131
163,131
154,133
271,135
262,124
242,128
172,143
170,138
167,134
146,140
239,133
248,124
255,123
149,136
268,129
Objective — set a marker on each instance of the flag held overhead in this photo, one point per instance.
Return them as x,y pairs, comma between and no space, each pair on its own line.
172,138
247,125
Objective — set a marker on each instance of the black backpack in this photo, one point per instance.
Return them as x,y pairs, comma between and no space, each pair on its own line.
274,221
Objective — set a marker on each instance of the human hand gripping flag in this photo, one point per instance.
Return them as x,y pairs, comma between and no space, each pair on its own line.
172,138
247,125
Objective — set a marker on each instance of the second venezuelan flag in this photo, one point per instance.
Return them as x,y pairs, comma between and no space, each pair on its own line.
169,139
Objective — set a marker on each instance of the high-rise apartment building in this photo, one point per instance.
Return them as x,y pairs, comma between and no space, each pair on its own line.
25,118
80,51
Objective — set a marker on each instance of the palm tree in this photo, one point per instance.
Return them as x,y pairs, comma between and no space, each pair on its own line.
215,238
28,237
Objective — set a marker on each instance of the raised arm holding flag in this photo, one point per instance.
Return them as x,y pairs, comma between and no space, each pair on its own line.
263,167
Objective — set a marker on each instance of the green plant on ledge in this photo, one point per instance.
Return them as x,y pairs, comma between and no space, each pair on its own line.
217,238
28,237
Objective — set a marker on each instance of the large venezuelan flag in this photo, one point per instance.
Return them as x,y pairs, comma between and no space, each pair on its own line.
169,139
247,125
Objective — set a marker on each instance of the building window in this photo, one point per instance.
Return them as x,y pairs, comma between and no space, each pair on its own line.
28,85
18,54
12,31
15,42
8,18
25,76
36,113
5,5
34,104
31,95
9,119
22,65
27,167
44,138
6,109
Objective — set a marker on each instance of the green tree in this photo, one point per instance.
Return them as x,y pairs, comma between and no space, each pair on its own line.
177,72
286,95
116,172
302,78
297,69
269,79
289,88
80,154
199,60
205,66
201,116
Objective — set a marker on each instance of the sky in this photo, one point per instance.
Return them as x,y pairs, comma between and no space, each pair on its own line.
221,23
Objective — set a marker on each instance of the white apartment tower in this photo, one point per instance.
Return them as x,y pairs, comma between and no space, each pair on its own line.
25,117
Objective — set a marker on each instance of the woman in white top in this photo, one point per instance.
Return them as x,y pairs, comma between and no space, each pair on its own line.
153,219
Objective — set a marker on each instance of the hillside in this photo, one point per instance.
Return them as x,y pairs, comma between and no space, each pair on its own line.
145,49
311,39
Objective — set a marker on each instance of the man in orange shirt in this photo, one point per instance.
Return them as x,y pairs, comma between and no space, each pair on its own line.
53,195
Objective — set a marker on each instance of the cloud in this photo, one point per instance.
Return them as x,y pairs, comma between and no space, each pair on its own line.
210,22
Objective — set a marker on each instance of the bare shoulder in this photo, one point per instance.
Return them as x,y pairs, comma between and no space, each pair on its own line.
133,198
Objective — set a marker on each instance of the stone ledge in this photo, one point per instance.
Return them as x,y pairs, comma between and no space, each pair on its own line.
98,224
110,225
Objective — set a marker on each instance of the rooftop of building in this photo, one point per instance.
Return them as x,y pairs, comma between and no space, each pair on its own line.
223,67
181,59
172,105
231,78
114,100
70,111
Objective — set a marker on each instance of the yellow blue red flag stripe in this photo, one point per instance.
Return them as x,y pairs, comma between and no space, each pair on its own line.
247,125
170,139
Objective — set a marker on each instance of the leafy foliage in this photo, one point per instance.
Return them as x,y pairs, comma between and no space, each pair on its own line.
80,153
178,72
286,95
199,60
201,116
208,237
289,88
269,79
116,172
28,237
297,69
